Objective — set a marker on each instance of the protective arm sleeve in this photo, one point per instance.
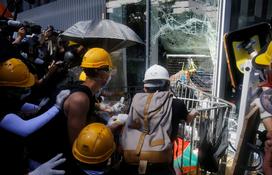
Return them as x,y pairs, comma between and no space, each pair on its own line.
29,108
15,124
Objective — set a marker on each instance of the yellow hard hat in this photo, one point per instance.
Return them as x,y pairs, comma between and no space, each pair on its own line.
264,59
14,72
72,43
94,144
82,76
5,12
96,58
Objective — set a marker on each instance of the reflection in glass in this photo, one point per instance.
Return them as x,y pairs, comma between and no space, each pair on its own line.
131,64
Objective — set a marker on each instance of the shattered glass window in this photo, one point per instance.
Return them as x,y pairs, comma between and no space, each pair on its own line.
186,35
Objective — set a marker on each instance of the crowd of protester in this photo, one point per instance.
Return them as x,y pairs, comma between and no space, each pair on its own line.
48,119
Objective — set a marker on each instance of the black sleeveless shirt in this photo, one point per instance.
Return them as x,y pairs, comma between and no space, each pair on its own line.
53,139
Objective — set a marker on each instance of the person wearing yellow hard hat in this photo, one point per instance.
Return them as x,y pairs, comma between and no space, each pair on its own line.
264,101
15,83
97,65
78,109
264,59
93,149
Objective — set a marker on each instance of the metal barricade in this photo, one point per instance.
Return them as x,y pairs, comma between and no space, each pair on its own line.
211,124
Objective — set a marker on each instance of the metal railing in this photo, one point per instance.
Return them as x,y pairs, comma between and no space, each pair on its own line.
211,125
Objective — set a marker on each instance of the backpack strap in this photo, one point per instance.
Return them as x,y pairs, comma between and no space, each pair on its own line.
146,129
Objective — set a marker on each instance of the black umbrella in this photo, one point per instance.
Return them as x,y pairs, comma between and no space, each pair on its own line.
105,33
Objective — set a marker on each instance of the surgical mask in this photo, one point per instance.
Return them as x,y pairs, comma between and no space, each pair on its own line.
108,80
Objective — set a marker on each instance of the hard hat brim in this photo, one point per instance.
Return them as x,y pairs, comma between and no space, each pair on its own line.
262,60
30,82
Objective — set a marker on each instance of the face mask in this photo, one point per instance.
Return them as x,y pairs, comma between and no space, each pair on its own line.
108,80
103,87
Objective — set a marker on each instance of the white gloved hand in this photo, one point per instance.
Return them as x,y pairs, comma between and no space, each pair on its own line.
120,118
263,113
47,167
44,101
104,107
117,107
61,97
194,112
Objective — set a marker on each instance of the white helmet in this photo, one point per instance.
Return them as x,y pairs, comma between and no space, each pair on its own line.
155,72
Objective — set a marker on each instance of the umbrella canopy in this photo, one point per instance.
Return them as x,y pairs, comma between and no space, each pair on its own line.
105,33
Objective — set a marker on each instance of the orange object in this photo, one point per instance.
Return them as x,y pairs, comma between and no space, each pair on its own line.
233,83
184,163
3,9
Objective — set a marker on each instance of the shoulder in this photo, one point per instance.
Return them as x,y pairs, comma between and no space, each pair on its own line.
76,104
179,106
178,102
78,98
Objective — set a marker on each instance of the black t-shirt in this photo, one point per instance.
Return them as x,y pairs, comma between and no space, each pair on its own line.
179,113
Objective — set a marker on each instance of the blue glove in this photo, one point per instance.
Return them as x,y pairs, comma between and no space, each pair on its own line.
47,167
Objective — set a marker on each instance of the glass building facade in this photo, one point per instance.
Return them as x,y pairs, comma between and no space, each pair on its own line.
182,35
185,35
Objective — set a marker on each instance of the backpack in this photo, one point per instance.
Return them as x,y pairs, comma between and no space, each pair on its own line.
146,134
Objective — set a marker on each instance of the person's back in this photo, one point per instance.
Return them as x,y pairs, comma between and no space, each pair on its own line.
146,135
151,127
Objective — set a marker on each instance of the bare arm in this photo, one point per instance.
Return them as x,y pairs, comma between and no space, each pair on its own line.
76,108
21,34
191,115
